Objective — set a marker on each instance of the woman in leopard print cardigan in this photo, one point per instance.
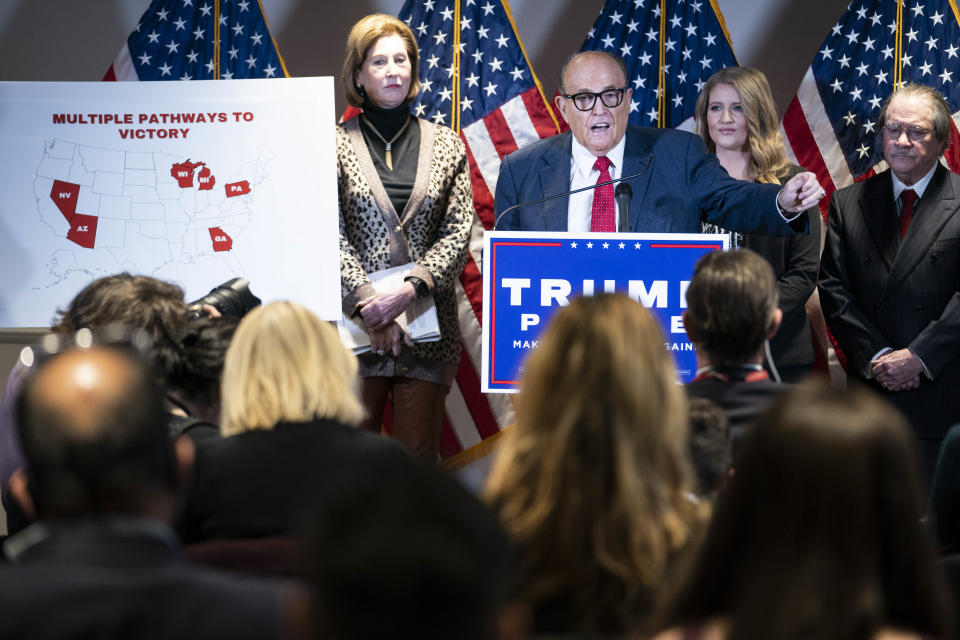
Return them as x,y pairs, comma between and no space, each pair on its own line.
405,197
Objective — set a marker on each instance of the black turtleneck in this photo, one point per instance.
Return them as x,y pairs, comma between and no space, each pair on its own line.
404,151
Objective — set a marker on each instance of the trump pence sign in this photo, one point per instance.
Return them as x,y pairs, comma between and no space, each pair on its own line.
528,276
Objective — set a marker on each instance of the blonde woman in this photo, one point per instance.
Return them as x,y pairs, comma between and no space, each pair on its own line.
593,480
737,119
289,407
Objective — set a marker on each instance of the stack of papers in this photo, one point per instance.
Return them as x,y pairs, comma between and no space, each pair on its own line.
419,320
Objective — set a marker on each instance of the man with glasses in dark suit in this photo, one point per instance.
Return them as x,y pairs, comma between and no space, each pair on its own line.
678,183
890,273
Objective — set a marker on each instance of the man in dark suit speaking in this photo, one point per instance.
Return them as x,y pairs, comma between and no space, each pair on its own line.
890,274
679,183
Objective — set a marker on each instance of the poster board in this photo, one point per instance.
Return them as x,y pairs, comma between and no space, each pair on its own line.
192,182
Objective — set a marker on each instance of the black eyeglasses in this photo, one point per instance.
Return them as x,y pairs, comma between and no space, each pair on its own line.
585,101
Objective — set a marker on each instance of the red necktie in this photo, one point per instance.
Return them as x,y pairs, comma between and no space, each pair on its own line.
908,197
603,214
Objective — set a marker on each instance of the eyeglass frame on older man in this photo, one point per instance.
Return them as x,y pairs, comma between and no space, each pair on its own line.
914,134
583,94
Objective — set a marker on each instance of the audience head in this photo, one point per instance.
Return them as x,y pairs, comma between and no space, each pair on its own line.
599,126
735,111
287,365
818,534
731,307
710,445
153,305
194,377
403,551
360,77
91,424
914,126
593,478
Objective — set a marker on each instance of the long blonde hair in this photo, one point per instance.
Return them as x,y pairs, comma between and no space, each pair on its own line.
286,364
593,477
768,160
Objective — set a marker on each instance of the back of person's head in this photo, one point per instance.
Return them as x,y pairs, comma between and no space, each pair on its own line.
711,448
818,534
731,306
400,550
287,365
593,476
91,424
195,373
143,302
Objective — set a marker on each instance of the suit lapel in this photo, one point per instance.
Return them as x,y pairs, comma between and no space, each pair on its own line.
880,217
935,208
555,178
637,158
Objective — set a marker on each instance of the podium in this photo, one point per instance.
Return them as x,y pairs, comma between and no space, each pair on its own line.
528,276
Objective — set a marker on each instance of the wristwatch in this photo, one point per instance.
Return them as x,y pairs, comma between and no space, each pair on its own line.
419,286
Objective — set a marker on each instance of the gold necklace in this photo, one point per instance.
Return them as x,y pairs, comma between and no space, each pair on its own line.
389,143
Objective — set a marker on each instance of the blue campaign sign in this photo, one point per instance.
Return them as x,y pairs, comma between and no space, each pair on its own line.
528,276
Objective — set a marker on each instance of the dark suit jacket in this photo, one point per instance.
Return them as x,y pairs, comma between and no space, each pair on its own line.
741,402
877,291
257,483
81,582
795,261
681,185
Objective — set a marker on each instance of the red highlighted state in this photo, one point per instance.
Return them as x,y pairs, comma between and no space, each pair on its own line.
205,179
83,230
234,189
182,172
64,195
221,241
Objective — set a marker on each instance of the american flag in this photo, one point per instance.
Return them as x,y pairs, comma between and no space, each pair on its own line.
199,40
670,52
831,124
476,78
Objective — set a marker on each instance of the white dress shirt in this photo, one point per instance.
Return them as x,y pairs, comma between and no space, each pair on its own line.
582,174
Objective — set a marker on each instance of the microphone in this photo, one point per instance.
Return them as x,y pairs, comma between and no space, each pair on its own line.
629,193
623,194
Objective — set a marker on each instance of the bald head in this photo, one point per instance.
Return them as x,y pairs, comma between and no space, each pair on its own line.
601,127
92,427
83,389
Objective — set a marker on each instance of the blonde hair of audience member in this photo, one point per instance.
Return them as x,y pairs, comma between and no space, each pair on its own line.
767,157
362,36
819,533
287,365
593,479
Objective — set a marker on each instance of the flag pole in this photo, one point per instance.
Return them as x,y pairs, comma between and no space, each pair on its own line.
216,40
455,63
661,76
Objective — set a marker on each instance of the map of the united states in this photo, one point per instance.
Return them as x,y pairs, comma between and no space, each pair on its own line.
139,211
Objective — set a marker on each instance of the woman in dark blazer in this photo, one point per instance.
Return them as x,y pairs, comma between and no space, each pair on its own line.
288,416
737,119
